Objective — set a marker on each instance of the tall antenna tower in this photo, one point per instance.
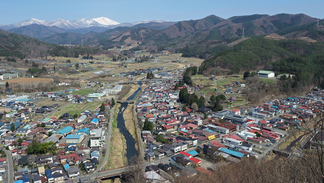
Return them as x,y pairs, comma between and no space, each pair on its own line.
243,34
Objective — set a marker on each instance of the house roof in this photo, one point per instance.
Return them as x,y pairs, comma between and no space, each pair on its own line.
65,130
73,136
231,152
265,72
195,160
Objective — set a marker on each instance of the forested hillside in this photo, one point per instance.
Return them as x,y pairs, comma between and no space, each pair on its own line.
15,45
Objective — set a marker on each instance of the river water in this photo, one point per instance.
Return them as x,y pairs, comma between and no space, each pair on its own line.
131,151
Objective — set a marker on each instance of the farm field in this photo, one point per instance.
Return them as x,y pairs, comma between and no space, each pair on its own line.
29,81
48,101
77,108
83,92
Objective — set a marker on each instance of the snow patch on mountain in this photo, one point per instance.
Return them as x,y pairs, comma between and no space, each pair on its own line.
67,24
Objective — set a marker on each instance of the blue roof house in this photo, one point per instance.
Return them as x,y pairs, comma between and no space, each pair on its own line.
66,166
84,131
26,178
65,130
95,121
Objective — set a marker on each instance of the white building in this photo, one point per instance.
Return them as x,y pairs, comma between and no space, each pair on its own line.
82,118
113,91
97,138
266,74
8,76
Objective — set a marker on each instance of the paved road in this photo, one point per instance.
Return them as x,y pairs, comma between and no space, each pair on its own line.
108,137
10,166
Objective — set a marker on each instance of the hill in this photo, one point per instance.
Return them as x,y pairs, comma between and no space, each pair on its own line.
301,58
198,38
37,31
16,45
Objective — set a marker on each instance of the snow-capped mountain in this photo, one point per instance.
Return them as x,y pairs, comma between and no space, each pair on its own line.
66,24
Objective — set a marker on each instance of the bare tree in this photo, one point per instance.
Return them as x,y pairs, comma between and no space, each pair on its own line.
136,170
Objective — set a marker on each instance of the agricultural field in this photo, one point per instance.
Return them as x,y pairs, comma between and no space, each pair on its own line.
28,81
77,108
48,101
83,92
268,80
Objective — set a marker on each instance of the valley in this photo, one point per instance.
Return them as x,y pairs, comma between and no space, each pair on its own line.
214,99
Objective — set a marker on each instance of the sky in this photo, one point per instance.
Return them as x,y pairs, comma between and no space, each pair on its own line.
14,11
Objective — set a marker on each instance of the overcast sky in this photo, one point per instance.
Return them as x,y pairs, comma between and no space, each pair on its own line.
14,11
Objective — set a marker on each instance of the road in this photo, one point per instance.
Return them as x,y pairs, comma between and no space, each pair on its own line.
108,137
10,166
119,171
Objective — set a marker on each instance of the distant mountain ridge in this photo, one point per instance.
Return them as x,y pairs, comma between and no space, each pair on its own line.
194,38
40,29
65,24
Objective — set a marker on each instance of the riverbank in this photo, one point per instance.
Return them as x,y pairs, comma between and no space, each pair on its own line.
117,152
133,88
129,120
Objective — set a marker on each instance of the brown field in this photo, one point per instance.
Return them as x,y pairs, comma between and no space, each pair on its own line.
131,91
129,120
117,152
29,81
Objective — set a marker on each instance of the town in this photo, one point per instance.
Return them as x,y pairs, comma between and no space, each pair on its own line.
149,117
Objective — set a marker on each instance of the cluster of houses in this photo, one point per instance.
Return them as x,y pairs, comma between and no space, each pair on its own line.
180,135
78,144
141,71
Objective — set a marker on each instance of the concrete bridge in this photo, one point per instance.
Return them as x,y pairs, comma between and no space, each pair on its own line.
281,152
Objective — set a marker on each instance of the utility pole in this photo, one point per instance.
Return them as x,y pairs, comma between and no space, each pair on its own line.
232,47
243,34
242,48
317,22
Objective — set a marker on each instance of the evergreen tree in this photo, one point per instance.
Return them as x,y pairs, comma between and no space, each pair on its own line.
176,86
113,102
102,107
213,98
205,116
7,85
75,116
20,140
12,127
148,125
77,65
246,74
184,108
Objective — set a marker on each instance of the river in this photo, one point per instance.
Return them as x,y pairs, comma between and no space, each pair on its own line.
131,151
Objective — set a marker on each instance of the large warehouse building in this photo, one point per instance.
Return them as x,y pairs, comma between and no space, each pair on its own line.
266,74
